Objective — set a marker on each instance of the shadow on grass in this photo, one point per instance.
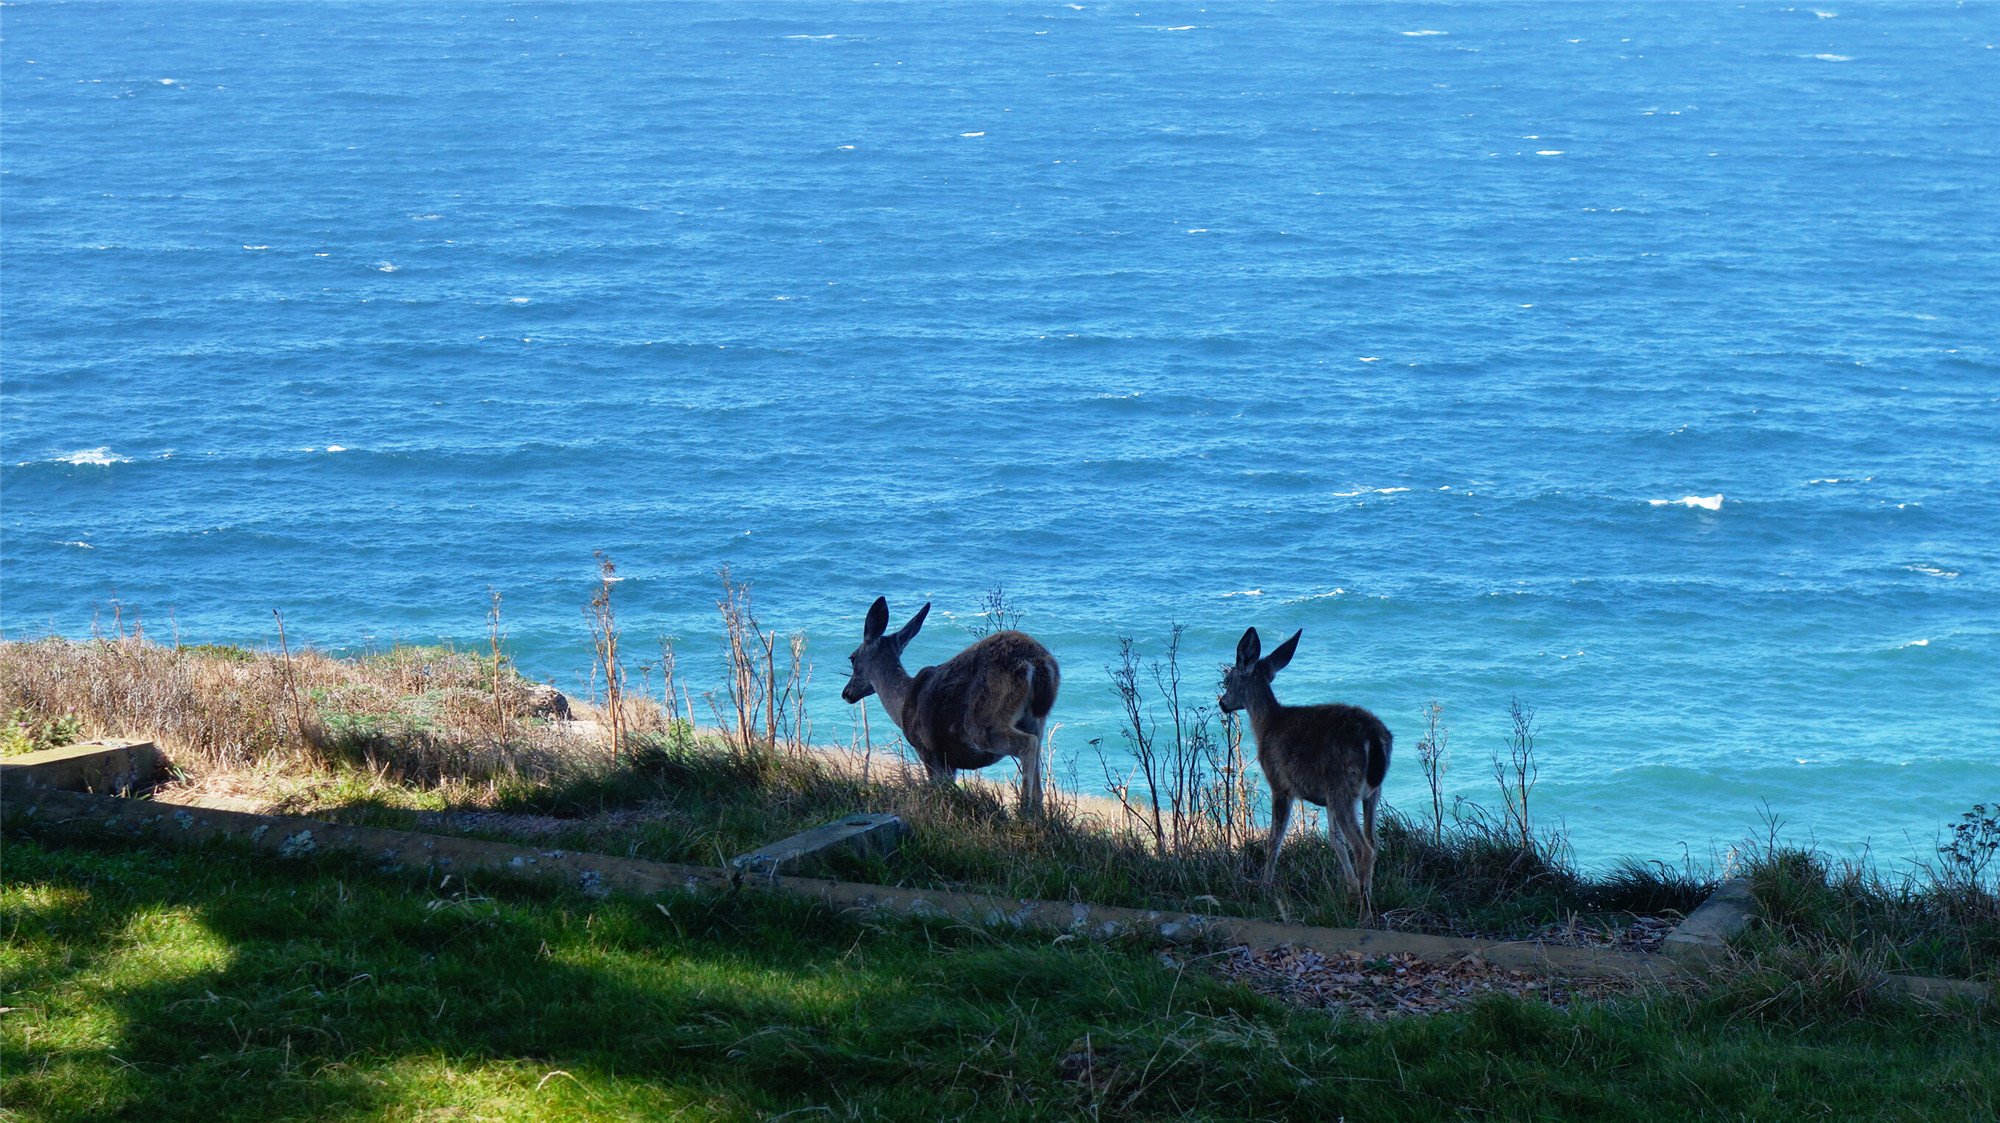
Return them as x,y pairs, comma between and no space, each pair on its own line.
216,985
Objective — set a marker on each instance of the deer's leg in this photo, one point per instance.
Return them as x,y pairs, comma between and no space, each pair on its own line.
1281,821
1360,868
1368,803
1031,780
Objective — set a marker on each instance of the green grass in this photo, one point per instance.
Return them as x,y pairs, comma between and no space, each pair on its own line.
218,986
1922,922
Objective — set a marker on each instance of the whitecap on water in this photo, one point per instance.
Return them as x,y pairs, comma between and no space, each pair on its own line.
97,456
387,267
1931,570
1245,593
1424,33
1835,58
1706,502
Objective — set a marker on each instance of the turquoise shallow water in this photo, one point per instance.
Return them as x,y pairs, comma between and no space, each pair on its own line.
1636,360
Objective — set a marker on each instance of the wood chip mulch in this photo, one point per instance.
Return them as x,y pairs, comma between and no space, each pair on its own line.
1635,933
1379,986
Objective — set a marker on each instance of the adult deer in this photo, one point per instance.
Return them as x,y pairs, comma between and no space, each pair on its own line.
989,701
1333,755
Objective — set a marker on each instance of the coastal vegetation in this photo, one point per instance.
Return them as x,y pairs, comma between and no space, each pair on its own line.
455,741
219,982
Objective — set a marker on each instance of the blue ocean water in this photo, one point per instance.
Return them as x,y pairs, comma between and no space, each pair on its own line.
1640,361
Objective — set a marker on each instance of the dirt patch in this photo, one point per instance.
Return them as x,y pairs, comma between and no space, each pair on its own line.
1376,987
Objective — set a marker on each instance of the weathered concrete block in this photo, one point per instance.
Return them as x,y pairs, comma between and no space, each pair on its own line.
1705,934
111,767
866,834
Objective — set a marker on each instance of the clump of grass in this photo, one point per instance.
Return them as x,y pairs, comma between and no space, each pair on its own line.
1939,917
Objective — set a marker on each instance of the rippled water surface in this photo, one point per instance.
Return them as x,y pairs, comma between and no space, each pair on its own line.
1638,361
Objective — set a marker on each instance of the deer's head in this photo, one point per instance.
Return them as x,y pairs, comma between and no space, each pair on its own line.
878,654
1251,676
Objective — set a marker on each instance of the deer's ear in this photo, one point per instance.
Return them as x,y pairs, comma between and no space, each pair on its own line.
909,630
1248,647
1276,660
878,619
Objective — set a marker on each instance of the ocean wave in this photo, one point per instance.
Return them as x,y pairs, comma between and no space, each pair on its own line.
97,457
1705,502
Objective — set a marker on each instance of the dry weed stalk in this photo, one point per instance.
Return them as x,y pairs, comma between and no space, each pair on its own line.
1433,759
291,678
751,684
1516,774
604,640
493,634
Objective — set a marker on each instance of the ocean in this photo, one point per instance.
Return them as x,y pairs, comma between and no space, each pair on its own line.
1640,362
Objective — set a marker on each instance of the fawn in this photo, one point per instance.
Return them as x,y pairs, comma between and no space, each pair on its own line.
1333,755
989,701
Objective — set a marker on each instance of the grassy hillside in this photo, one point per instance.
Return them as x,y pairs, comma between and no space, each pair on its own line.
214,986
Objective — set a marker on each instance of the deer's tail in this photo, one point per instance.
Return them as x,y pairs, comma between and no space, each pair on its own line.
1378,758
1042,682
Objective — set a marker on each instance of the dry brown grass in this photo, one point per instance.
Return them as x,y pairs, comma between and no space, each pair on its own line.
414,715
